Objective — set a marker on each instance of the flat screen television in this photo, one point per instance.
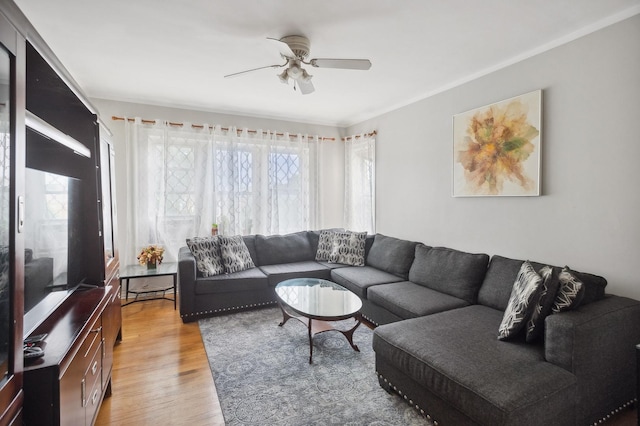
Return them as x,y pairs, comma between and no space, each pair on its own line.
53,266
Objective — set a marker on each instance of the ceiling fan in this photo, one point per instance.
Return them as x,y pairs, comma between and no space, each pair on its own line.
294,49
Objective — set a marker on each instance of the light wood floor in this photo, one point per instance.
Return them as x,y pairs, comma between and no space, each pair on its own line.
161,374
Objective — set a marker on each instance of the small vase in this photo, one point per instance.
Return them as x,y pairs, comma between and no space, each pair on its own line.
151,265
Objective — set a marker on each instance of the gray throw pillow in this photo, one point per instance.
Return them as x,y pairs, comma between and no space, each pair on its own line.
235,254
523,293
325,245
206,251
348,248
570,292
542,307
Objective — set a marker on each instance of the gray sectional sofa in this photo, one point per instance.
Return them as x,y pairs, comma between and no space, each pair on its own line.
437,312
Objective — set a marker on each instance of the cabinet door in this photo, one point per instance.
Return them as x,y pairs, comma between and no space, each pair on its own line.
111,326
12,67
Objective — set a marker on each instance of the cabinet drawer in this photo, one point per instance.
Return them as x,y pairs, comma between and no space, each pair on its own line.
92,341
93,385
94,370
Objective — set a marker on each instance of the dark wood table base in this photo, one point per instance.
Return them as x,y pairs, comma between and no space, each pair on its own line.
320,326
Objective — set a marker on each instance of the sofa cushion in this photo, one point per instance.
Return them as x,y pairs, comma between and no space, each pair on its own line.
330,265
524,293
235,254
289,248
488,380
359,278
409,300
449,271
250,242
594,285
206,251
570,292
502,272
542,307
348,248
285,271
247,280
392,255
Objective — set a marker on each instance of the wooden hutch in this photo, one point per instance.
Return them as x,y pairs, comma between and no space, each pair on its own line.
48,125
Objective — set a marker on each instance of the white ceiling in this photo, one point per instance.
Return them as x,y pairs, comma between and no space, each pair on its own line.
176,52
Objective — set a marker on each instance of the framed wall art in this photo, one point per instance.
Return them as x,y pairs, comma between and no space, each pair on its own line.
497,148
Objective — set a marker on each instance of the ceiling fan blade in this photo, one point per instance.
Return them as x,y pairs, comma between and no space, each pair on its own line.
306,87
349,64
235,74
284,48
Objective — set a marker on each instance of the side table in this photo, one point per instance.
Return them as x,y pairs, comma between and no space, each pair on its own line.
137,271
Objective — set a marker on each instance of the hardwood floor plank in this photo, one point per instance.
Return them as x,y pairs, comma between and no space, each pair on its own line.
161,374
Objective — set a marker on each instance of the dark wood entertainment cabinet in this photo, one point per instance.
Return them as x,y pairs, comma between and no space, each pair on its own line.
68,384
48,125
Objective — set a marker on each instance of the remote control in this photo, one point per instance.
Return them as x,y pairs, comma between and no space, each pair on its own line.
32,352
35,339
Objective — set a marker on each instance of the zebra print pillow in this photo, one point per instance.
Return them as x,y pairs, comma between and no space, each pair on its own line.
206,250
348,248
235,254
544,303
523,293
325,245
570,293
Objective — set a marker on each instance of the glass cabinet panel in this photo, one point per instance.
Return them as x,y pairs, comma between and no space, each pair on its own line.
5,212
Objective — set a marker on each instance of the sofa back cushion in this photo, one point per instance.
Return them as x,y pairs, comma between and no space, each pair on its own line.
289,248
502,273
250,242
392,255
449,271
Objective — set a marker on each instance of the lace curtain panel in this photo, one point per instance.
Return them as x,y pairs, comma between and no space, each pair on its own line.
360,183
182,179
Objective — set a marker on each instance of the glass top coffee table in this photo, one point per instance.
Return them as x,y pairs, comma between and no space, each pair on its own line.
316,302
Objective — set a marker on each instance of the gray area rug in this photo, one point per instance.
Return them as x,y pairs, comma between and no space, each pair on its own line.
263,376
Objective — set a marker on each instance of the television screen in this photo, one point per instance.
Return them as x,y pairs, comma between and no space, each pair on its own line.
53,257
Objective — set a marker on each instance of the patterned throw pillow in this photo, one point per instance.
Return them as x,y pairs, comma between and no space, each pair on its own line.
348,248
206,250
235,254
523,293
570,293
325,245
542,309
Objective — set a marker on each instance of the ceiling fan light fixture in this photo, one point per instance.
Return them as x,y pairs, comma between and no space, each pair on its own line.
284,77
295,71
306,77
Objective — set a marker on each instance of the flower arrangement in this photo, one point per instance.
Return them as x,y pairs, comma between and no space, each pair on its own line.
151,255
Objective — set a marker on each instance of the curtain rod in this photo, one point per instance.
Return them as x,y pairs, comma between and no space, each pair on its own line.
346,138
201,126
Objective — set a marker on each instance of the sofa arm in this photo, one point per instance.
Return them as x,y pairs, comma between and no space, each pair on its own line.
186,283
596,342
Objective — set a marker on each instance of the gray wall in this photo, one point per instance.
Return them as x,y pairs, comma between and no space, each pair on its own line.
588,216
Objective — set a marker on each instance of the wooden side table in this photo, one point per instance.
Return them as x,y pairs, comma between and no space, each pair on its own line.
137,271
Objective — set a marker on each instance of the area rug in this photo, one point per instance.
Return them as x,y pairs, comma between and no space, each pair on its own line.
263,376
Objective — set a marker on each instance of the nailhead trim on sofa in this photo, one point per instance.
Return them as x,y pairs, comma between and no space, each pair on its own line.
409,401
616,411
233,308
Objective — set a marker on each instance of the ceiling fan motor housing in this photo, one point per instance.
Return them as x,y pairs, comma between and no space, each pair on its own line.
299,45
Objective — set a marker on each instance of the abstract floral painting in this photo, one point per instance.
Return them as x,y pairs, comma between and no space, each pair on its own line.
497,148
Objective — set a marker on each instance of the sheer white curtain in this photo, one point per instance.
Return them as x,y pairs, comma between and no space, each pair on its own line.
360,183
184,178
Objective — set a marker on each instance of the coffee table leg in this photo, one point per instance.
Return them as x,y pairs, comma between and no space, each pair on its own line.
285,315
349,334
310,343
